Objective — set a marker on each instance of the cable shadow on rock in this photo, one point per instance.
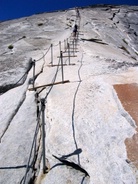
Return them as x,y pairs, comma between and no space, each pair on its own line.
76,152
56,165
14,167
64,157
71,164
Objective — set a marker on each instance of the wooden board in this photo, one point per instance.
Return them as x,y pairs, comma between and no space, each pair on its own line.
51,84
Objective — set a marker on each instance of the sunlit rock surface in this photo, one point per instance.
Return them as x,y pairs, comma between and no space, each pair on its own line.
86,124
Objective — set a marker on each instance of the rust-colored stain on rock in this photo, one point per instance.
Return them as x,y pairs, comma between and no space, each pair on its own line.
128,95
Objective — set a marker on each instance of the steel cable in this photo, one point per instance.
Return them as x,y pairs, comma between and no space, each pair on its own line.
44,54
37,129
54,79
73,111
34,139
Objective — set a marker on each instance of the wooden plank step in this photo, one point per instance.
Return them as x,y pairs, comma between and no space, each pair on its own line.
67,56
51,84
56,65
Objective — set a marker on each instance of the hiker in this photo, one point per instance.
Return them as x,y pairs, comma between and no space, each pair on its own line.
77,13
75,30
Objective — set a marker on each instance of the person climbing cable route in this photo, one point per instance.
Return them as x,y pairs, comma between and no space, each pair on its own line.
77,13
75,30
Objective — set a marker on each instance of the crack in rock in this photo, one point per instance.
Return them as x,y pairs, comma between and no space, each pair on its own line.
13,115
114,14
118,65
5,88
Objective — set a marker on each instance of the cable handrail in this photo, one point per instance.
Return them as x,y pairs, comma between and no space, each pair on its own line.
34,139
44,54
54,79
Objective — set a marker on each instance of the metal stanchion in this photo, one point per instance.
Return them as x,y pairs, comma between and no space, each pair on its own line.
69,52
33,64
73,46
43,135
61,57
64,44
60,46
52,54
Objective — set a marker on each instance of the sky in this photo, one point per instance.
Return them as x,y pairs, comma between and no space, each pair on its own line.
13,9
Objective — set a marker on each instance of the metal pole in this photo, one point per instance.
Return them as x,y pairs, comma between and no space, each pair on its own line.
62,66
75,45
60,46
52,54
69,53
43,134
33,63
65,45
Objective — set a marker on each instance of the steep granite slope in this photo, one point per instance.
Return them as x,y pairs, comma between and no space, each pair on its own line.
86,126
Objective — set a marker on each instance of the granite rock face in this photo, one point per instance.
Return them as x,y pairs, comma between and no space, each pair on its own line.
85,123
